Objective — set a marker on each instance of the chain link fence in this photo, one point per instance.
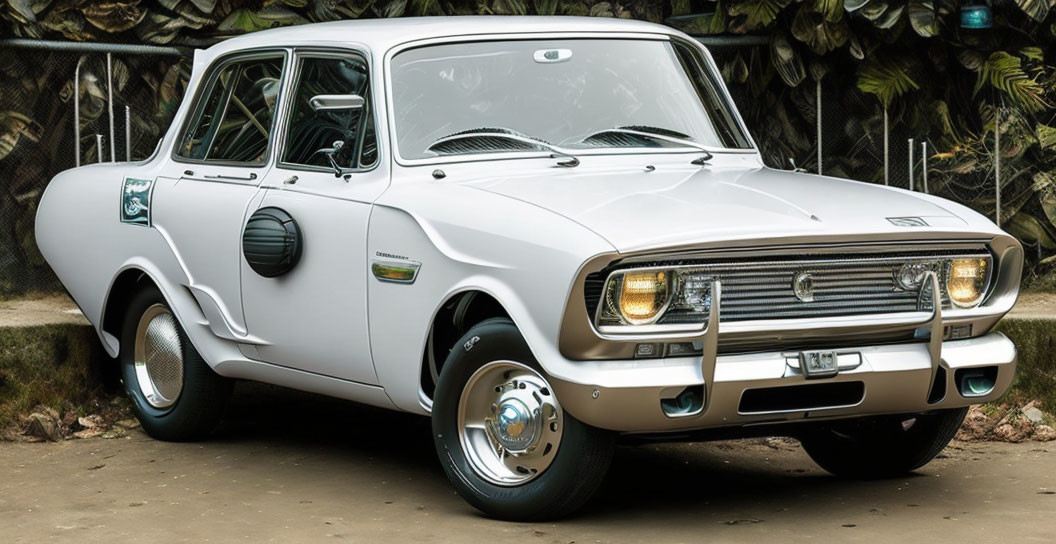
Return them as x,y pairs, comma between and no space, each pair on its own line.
44,87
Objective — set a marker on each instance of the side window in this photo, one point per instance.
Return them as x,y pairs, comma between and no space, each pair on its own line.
311,131
235,114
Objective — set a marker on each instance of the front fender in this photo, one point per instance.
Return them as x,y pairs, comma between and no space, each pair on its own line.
465,239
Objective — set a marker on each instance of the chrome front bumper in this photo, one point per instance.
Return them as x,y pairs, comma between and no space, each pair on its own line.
895,378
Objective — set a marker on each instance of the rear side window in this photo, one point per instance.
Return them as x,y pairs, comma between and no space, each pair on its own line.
311,132
233,119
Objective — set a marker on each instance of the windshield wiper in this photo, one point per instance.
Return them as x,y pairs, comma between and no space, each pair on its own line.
457,143
661,135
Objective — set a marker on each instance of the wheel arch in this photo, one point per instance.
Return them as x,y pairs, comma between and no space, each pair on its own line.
130,279
456,315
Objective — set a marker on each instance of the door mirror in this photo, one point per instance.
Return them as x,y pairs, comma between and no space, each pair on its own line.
335,102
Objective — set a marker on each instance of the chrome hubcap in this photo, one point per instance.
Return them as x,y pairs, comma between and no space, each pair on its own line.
510,423
159,357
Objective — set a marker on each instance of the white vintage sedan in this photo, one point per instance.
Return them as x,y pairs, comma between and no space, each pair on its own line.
545,233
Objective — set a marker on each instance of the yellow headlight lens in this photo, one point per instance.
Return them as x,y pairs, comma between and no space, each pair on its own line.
642,296
966,281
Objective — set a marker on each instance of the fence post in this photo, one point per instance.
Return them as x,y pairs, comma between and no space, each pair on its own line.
77,111
887,155
99,147
128,133
924,163
911,164
110,103
997,165
818,102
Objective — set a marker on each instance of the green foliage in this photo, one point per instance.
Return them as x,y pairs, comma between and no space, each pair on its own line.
758,14
1005,72
911,58
886,78
1036,9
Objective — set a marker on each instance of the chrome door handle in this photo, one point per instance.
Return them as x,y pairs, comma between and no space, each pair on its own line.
290,180
251,177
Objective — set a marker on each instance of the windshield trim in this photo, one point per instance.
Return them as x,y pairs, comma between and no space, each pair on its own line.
752,148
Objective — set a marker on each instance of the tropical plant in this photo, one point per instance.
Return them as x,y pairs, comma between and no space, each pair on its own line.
904,62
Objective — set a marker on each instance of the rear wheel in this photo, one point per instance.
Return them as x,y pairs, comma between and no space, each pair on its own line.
879,447
502,437
173,392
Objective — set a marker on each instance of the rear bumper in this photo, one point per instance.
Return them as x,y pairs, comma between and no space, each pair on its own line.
900,378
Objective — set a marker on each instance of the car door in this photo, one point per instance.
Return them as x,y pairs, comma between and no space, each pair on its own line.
313,315
216,169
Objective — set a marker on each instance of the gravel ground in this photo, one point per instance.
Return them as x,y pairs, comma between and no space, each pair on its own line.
292,467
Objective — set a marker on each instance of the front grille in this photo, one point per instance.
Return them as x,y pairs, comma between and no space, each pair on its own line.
844,285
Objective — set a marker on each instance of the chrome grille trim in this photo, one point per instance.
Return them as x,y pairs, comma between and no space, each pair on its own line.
844,284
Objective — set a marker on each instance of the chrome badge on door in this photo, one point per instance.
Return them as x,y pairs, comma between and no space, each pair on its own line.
135,201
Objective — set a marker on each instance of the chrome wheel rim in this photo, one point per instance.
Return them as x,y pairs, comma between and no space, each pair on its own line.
159,357
510,423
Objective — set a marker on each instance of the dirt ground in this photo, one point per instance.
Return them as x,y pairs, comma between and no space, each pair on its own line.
292,467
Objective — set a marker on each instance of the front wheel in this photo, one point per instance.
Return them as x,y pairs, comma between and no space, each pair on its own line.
883,446
502,437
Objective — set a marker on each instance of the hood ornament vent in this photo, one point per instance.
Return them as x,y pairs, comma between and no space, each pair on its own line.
907,222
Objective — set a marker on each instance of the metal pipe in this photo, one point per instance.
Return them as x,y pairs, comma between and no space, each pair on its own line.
997,165
911,164
924,163
110,103
99,147
82,47
128,134
77,112
818,106
887,154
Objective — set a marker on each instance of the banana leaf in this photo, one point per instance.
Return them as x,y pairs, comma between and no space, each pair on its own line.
1029,230
113,16
736,70
1036,9
815,30
247,20
703,24
26,11
758,13
923,18
13,127
852,6
786,61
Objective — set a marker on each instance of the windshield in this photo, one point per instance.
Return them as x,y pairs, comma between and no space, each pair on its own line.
573,94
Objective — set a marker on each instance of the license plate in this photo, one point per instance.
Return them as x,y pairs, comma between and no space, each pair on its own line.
819,364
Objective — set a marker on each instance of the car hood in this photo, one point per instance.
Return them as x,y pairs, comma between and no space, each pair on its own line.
636,210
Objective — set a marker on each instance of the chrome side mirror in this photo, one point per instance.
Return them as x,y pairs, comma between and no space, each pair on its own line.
336,102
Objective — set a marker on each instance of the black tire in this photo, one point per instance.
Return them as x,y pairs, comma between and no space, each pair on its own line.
578,468
881,447
204,393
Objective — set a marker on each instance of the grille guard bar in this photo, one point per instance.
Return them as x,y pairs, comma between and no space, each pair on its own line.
710,335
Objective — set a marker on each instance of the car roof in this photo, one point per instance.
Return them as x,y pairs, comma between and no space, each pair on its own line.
382,34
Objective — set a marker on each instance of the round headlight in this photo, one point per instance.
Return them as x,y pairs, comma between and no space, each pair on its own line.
966,281
639,297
